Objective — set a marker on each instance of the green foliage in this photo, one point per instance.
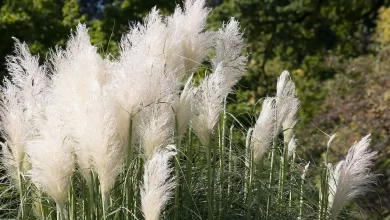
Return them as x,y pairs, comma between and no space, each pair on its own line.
42,24
358,103
299,35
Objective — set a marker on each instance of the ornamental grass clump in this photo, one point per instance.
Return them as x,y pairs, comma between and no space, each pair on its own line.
145,135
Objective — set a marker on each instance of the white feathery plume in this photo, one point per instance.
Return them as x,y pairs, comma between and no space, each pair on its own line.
228,68
72,81
331,138
22,101
285,87
100,138
351,177
290,120
73,86
209,104
140,77
305,169
51,157
157,186
13,129
156,120
228,48
263,131
183,107
29,77
333,173
187,42
292,146
287,104
152,59
155,127
9,163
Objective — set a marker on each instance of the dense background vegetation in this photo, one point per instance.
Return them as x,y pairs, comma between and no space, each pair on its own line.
336,50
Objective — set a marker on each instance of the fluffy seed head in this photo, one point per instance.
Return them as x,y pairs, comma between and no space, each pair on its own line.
187,43
78,73
292,146
155,127
157,186
287,104
263,131
183,107
51,157
22,101
99,137
351,177
209,104
228,48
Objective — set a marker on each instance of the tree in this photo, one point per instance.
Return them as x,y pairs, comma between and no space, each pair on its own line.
41,24
358,103
299,35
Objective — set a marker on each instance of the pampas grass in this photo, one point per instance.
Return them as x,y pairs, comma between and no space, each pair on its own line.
351,177
51,158
91,137
287,104
21,105
157,184
263,131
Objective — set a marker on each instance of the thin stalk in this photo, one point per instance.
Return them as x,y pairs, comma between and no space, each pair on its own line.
230,163
301,192
320,194
22,207
84,198
105,203
291,183
324,188
249,173
97,197
52,214
60,212
249,196
138,212
222,161
271,177
129,147
44,209
118,193
129,186
189,155
91,202
72,199
280,180
284,172
259,167
209,181
326,181
325,194
177,172
230,159
247,160
213,166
